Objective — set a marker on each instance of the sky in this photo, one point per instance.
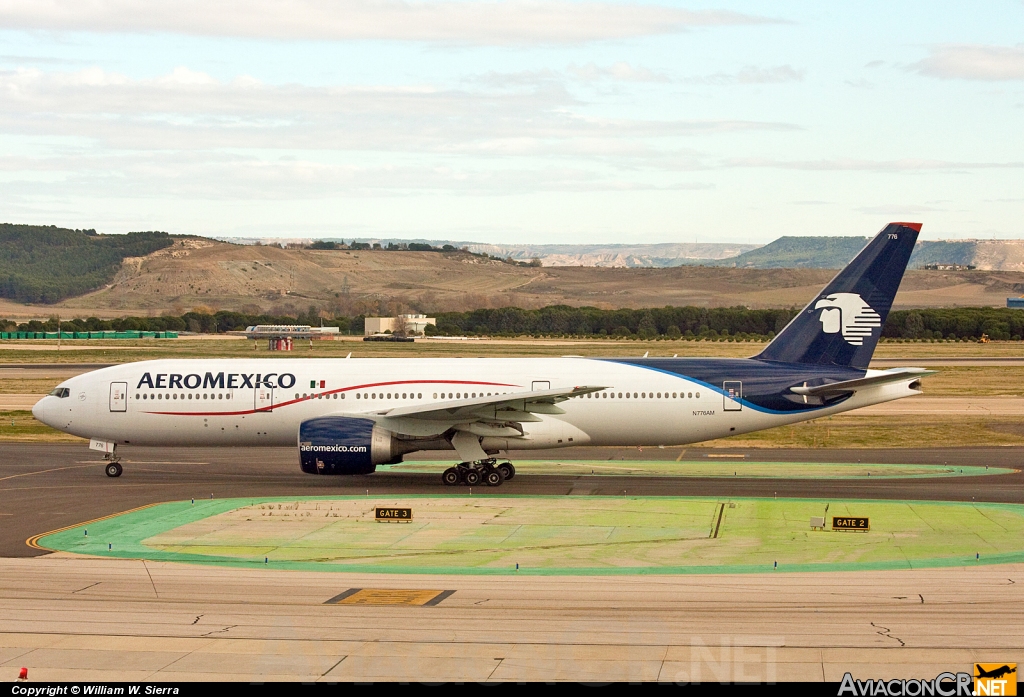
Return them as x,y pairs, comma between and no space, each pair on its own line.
513,121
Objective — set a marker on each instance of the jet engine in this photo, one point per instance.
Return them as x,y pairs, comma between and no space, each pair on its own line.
345,445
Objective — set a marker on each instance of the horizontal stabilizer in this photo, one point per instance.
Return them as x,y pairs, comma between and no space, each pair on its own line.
850,386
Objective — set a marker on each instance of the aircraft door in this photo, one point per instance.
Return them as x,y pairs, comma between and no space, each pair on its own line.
119,396
264,398
541,385
733,394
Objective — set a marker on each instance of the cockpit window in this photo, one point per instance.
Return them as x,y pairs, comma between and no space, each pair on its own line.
61,392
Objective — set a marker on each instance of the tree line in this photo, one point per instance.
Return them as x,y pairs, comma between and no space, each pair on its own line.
415,247
698,323
45,264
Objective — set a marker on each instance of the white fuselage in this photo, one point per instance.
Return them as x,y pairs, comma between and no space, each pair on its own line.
225,402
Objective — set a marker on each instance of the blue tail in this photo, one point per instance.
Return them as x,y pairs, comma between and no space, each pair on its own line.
843,324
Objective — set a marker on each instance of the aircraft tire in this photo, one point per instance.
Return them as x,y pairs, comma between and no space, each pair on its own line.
493,478
507,470
471,477
450,477
113,469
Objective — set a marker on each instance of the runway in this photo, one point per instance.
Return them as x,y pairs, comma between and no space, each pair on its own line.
84,618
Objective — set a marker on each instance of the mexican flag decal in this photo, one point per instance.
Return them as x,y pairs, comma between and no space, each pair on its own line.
312,384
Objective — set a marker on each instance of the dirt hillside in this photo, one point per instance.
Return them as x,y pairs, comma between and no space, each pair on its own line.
215,275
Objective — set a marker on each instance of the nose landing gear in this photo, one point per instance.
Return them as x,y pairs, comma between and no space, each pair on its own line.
473,473
113,468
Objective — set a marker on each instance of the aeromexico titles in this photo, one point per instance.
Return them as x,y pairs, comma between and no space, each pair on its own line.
346,416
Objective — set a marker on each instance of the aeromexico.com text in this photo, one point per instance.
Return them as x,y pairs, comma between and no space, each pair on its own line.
333,448
220,381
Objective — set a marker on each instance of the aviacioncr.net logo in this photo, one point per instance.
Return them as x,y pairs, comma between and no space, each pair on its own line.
849,314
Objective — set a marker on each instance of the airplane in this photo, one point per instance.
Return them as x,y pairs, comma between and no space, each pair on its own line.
346,416
995,673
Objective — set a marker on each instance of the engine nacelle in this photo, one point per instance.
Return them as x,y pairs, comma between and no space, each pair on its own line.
345,445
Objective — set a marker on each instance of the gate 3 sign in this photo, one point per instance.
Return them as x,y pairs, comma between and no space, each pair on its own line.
393,514
850,523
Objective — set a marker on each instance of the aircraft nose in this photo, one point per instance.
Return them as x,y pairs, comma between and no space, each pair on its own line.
44,410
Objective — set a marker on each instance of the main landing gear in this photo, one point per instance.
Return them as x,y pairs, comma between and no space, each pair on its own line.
489,472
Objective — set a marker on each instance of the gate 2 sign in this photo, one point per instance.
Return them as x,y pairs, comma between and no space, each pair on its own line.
850,523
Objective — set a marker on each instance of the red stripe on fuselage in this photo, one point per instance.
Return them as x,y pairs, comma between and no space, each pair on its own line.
327,392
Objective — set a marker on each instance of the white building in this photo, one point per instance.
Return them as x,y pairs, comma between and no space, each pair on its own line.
410,324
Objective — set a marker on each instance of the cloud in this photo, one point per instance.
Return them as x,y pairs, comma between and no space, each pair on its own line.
620,72
494,22
858,165
752,75
897,209
219,176
973,62
187,109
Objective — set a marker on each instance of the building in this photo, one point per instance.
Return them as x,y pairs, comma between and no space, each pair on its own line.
949,267
1015,303
280,336
406,324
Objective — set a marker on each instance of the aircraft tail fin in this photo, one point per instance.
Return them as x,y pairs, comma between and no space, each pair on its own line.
842,325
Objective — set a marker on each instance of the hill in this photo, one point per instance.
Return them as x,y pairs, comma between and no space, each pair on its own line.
800,252
44,263
197,272
835,252
614,255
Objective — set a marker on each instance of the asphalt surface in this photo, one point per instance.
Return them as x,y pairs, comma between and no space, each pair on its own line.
48,486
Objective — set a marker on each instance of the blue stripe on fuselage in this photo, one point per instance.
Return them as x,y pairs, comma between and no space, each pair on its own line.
765,383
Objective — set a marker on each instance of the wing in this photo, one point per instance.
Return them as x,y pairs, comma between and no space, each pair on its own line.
497,415
848,386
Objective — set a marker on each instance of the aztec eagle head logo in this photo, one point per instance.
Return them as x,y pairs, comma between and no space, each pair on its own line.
849,314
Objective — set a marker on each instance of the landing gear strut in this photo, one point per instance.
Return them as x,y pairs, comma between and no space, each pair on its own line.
113,468
487,471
